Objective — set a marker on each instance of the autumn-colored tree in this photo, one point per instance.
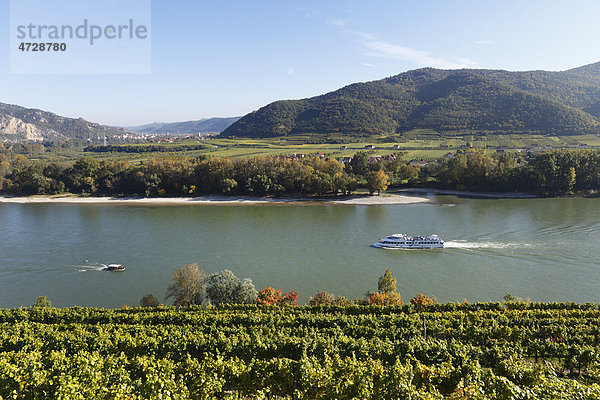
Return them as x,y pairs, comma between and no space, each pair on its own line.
322,298
274,297
377,181
420,301
188,285
289,299
385,299
268,296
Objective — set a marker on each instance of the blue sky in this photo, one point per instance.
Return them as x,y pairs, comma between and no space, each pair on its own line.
225,58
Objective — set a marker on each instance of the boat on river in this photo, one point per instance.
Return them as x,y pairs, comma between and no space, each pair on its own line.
402,241
115,267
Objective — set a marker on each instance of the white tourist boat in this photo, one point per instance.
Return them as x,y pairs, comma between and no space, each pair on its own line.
115,267
402,241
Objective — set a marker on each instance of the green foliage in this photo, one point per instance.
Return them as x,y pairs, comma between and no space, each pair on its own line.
386,283
509,297
442,100
149,301
225,288
377,181
552,173
42,302
176,176
475,350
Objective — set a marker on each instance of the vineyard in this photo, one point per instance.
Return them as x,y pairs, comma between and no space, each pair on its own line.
458,351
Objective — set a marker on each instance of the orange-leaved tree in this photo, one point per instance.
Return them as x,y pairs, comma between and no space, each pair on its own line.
420,301
274,297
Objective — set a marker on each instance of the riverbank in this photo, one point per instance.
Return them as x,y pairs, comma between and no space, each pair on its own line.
465,193
388,199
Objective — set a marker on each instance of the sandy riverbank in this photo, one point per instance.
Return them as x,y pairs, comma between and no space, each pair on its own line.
464,193
208,200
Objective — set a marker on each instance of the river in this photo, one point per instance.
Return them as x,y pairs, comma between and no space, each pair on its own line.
542,249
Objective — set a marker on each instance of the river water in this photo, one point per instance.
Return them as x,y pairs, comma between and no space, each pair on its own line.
542,249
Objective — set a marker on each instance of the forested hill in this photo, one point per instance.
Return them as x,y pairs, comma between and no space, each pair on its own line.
447,101
206,125
19,124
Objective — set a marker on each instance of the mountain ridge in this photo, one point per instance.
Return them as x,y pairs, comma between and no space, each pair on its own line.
204,125
474,100
20,124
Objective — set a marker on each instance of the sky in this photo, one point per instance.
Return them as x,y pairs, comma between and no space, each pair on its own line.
228,58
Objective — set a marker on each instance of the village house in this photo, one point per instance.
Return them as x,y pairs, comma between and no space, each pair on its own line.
418,163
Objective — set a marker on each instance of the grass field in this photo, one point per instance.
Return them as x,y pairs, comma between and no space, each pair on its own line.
421,144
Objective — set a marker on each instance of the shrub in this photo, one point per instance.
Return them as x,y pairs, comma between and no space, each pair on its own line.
322,298
42,302
420,301
274,297
385,299
149,301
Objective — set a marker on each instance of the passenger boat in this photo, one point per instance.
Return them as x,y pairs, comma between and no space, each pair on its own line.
115,267
402,241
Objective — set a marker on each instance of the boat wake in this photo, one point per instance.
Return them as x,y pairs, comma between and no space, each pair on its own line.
459,244
88,268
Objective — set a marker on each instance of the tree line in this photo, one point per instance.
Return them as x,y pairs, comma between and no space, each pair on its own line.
190,285
177,176
554,173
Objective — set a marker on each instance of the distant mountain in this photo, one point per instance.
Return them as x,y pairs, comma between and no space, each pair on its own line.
19,124
448,101
206,125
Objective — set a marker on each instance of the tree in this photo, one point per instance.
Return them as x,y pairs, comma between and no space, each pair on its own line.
377,181
274,297
509,297
385,299
322,298
420,301
360,163
188,285
571,180
226,288
149,301
42,302
386,294
386,283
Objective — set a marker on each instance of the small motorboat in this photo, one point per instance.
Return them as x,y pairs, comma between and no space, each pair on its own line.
115,267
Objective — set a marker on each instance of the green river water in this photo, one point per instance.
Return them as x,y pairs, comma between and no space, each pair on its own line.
543,249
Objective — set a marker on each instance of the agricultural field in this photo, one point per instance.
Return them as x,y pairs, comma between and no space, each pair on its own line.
479,350
421,144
